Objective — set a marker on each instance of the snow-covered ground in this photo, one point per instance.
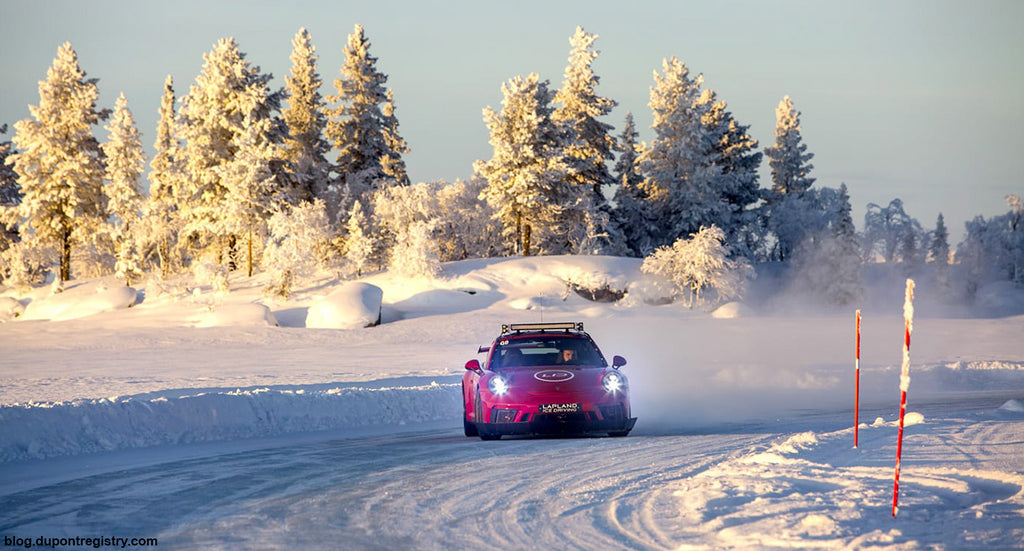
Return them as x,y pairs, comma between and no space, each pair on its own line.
744,438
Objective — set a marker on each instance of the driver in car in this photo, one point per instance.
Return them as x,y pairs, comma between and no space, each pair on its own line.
567,357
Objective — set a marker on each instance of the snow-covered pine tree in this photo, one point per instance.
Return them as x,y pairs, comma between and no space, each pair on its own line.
700,268
527,173
125,164
788,157
590,144
228,95
253,193
392,162
59,162
10,196
363,127
784,203
679,166
736,185
305,147
938,253
631,208
162,220
359,243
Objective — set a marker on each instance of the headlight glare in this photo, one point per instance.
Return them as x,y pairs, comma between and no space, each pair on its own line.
613,382
498,385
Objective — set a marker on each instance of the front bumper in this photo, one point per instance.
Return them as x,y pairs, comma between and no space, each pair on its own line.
558,424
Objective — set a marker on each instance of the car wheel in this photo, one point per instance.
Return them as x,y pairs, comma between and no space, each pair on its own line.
467,427
618,433
490,436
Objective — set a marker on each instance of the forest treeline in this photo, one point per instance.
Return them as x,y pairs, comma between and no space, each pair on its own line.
291,181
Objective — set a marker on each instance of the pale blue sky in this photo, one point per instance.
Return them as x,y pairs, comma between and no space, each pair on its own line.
921,100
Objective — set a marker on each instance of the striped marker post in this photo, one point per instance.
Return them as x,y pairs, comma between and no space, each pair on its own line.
908,319
856,392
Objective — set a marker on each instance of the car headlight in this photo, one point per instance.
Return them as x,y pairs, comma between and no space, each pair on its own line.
498,385
613,382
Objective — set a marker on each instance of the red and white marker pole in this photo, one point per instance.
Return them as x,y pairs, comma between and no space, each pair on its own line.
856,395
908,318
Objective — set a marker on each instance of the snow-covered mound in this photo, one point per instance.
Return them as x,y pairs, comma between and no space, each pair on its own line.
84,426
351,306
80,302
242,315
732,310
10,309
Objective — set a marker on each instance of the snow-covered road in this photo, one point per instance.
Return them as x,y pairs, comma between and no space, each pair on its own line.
798,483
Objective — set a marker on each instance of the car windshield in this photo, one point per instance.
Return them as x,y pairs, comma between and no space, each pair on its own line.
546,350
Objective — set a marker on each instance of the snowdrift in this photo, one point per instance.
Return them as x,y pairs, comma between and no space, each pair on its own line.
46,430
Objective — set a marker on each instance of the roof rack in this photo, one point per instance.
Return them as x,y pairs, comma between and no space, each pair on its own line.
519,327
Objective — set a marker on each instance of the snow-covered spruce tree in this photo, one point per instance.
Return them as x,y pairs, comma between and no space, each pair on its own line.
305,146
938,254
736,185
527,174
700,269
788,157
589,143
228,96
162,220
10,196
298,244
631,212
363,128
359,243
679,166
59,163
790,168
392,162
253,193
125,164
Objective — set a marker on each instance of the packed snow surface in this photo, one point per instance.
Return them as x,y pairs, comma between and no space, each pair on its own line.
227,420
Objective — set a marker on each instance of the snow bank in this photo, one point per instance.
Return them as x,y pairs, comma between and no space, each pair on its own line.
731,310
244,315
10,309
81,302
70,428
351,306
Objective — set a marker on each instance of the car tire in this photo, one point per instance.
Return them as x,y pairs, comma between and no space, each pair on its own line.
484,436
467,427
618,433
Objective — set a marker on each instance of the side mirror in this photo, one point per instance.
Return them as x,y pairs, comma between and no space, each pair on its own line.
618,361
473,365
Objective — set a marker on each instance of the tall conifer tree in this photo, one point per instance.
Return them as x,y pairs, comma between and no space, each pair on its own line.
589,143
679,166
125,164
306,147
163,210
228,96
59,162
363,127
527,172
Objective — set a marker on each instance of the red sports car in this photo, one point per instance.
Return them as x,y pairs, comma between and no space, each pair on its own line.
545,378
